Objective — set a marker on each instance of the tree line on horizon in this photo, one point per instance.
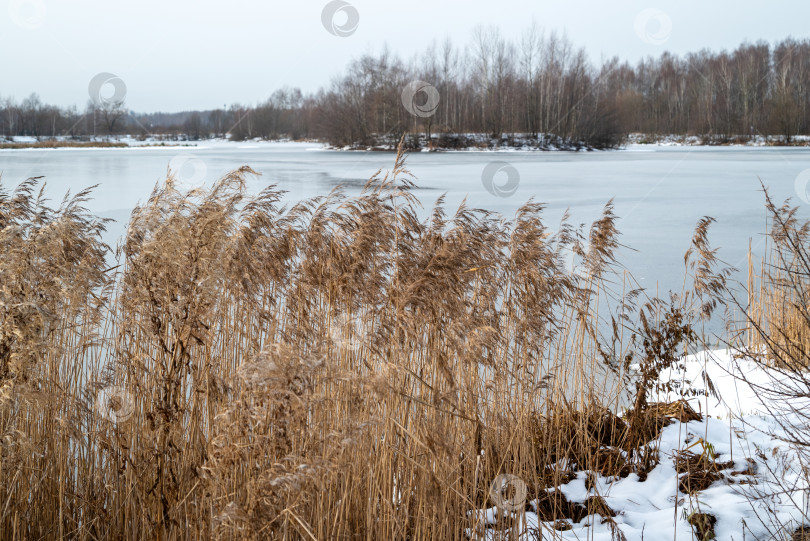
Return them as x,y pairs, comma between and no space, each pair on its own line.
538,87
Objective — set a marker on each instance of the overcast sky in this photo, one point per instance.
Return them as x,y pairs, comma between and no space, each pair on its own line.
176,55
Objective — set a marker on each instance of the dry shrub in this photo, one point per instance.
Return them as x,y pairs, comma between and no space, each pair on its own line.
703,524
679,410
697,481
562,525
687,461
591,440
597,505
553,506
802,533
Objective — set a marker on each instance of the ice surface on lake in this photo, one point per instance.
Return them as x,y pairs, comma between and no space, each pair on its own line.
659,194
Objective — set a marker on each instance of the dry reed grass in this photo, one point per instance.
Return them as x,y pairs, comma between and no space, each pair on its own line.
774,332
335,369
777,317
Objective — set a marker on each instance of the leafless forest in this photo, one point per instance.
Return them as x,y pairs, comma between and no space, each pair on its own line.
536,86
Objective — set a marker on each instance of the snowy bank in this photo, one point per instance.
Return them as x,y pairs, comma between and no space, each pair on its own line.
755,487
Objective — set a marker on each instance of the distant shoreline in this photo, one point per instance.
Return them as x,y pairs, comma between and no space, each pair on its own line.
62,144
473,143
57,144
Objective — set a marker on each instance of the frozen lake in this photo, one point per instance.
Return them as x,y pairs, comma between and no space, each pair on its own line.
659,192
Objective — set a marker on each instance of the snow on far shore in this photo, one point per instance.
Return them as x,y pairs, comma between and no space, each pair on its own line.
641,140
158,143
636,142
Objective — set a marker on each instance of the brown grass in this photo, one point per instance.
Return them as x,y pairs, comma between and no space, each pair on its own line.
703,525
777,317
63,144
335,369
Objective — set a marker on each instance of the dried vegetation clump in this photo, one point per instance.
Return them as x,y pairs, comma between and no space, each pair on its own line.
344,367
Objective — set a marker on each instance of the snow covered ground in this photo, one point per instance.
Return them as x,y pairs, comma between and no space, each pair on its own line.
635,140
159,143
762,489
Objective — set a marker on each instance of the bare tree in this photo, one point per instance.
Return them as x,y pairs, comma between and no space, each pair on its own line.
531,49
111,112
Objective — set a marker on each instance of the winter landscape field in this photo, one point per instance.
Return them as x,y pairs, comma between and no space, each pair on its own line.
514,271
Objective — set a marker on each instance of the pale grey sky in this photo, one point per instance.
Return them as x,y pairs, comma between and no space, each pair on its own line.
194,54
